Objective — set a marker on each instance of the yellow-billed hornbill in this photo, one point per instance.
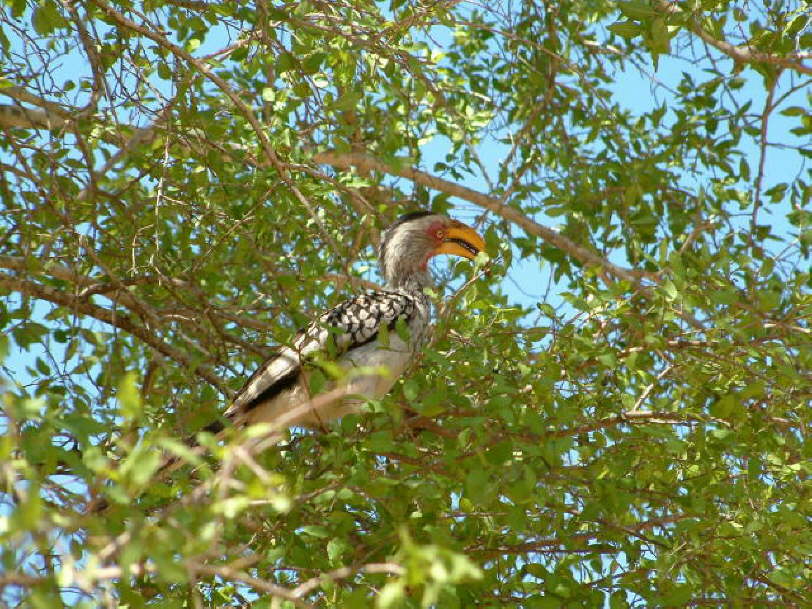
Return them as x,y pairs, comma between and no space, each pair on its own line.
372,337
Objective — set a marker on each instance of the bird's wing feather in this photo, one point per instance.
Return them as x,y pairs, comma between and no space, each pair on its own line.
351,324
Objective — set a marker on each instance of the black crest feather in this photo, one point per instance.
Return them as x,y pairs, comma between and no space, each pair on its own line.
412,215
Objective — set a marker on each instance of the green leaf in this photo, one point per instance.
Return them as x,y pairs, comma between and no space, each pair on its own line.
336,548
5,344
284,63
46,18
476,486
42,367
129,398
795,111
723,407
391,595
660,38
627,29
637,9
141,465
164,71
671,292
312,64
26,516
410,390
162,244
316,531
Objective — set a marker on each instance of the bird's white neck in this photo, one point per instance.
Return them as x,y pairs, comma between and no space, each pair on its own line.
410,283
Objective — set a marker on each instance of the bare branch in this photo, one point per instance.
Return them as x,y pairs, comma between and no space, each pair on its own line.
345,572
647,391
23,95
48,115
762,160
260,585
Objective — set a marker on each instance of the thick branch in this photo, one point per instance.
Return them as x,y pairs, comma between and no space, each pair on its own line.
50,116
89,578
91,287
54,269
23,95
643,417
746,55
18,117
121,321
580,253
540,546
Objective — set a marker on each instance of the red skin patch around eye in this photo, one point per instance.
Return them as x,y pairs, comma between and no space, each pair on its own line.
433,232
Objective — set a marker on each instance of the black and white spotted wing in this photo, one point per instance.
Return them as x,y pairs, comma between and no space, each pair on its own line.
351,324
359,319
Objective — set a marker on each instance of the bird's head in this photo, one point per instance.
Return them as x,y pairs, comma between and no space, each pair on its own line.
414,238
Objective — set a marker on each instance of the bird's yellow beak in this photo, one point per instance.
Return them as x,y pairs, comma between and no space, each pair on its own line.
461,240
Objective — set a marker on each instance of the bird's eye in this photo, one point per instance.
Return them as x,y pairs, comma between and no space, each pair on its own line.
439,233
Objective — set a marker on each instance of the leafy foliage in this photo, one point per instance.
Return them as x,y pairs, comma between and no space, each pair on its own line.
611,413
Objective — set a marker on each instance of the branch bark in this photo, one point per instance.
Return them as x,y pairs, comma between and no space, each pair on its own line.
205,69
345,572
118,292
87,579
580,253
230,574
19,117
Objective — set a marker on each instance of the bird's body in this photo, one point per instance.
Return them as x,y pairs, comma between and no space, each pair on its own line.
352,330
372,337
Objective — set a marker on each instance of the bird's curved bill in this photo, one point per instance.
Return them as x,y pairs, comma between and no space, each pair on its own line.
461,240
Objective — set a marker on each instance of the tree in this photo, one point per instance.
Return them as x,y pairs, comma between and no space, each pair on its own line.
185,183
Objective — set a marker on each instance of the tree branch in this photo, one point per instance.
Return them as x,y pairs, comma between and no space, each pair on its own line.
539,546
580,253
19,117
87,579
345,572
23,95
742,54
232,95
91,286
230,574
51,116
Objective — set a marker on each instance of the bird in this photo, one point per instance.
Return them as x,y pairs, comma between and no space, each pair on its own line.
372,337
